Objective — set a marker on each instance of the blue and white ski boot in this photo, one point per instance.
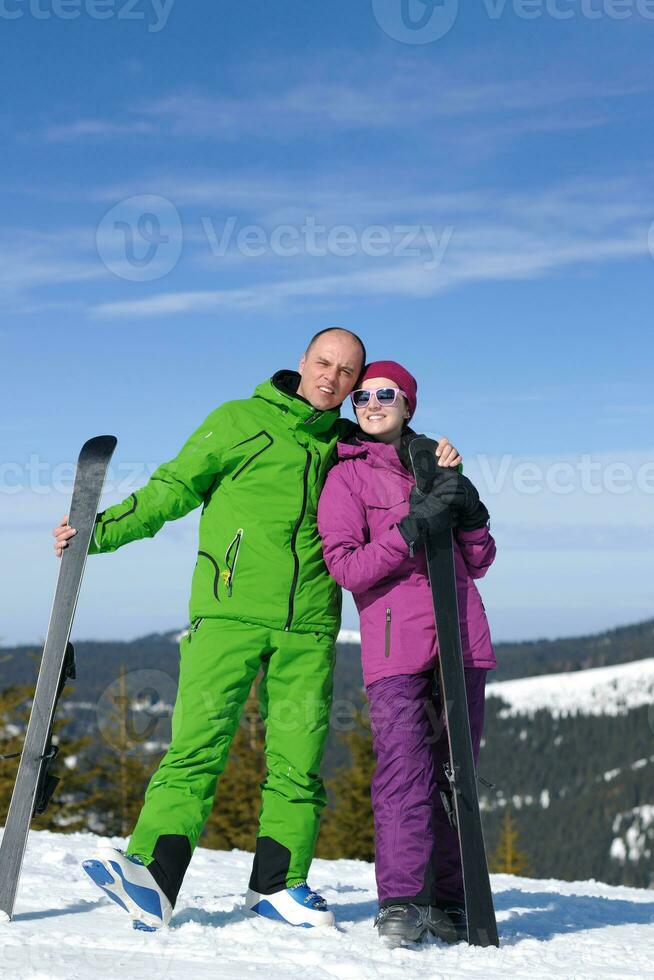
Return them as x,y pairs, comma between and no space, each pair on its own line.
298,906
127,881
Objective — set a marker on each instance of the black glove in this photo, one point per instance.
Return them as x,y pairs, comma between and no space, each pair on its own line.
427,515
458,493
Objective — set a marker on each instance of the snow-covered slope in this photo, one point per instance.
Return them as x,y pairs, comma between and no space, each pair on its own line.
349,636
597,691
63,928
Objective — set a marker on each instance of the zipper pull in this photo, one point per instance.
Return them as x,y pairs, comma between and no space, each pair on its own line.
387,638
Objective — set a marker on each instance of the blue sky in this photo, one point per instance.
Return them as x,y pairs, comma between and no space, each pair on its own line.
189,194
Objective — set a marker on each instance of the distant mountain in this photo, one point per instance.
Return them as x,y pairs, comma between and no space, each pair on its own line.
573,756
613,690
569,738
99,661
616,646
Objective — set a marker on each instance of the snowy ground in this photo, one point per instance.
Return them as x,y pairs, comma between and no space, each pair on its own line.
613,690
63,928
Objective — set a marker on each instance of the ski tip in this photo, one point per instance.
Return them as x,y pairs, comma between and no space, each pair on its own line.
103,443
99,449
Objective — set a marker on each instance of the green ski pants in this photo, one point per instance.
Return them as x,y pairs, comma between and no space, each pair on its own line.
219,659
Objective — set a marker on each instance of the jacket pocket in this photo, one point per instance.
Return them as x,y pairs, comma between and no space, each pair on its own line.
387,635
268,441
216,572
231,557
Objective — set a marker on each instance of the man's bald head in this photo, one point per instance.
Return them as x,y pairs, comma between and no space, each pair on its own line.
354,336
330,366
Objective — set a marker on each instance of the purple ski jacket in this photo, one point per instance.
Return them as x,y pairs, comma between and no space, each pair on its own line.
364,497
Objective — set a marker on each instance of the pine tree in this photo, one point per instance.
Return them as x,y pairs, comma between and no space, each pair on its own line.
68,808
66,811
347,829
13,710
508,858
122,768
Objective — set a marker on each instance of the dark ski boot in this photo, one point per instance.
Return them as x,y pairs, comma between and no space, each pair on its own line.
456,913
403,923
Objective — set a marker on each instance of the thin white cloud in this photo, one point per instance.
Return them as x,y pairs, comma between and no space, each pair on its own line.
621,411
32,262
485,236
97,129
399,278
414,94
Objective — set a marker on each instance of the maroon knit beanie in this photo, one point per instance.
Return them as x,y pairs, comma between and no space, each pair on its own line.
394,372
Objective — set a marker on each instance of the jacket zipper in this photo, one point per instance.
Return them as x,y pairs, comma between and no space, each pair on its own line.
387,641
228,574
194,625
296,557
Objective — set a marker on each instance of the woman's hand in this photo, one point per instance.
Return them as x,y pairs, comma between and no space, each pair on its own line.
446,454
462,497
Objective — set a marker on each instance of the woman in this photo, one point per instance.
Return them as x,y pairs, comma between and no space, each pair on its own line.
373,531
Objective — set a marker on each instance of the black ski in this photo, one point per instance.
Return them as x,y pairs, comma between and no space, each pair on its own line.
482,927
34,784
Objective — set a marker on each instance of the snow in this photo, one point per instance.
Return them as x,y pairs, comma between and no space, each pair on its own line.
637,829
349,636
64,929
613,690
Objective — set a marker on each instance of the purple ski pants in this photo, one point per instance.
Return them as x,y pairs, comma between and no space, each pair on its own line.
417,856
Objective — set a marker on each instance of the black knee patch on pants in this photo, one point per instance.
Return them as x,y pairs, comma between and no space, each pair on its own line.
270,869
172,856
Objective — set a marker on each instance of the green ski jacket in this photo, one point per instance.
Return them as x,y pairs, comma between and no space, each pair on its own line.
257,467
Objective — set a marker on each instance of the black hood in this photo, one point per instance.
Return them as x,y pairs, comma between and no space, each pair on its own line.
288,381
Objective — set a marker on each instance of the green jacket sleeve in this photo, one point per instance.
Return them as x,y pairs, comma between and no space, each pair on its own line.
174,489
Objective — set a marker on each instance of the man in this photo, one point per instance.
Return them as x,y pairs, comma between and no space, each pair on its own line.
261,599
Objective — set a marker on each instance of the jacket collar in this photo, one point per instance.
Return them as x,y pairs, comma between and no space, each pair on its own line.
281,391
360,444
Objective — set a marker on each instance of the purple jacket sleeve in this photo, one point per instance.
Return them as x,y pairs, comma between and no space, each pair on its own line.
477,549
352,559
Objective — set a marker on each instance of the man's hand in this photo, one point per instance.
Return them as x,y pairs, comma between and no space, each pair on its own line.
62,533
446,454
